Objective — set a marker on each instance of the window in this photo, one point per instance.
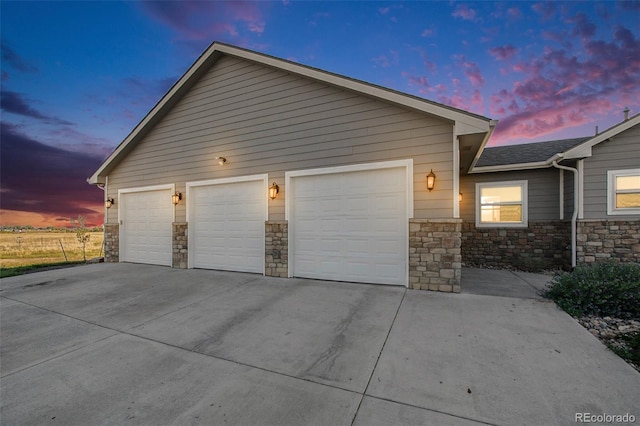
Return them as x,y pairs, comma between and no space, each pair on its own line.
501,204
623,191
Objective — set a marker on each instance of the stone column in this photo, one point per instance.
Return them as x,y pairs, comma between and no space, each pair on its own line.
111,242
180,245
276,256
435,260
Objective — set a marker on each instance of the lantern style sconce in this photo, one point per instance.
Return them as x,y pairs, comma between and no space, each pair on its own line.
273,191
109,202
431,180
221,160
176,198
460,197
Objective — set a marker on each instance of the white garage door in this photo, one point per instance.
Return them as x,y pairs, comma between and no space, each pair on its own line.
226,225
350,226
145,226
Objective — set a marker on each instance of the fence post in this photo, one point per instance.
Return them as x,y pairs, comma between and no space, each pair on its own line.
62,247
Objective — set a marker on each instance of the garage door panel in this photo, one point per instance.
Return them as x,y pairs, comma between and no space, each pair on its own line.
146,227
227,226
350,226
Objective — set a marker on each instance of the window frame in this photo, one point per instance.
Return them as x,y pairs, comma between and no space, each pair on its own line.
524,190
612,192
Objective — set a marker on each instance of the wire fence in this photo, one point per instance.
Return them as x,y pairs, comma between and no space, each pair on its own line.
29,248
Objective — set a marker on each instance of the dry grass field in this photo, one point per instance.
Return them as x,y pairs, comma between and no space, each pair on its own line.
39,247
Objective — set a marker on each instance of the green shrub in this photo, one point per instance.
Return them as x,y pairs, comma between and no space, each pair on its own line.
630,349
603,289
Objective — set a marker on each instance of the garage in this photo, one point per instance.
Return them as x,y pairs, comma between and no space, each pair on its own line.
351,223
226,223
145,217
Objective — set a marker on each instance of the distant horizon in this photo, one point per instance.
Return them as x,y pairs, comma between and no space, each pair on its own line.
75,88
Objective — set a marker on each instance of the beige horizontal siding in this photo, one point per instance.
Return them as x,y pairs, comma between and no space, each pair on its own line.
264,120
543,187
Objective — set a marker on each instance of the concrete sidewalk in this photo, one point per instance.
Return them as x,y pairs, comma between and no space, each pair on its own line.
498,282
139,344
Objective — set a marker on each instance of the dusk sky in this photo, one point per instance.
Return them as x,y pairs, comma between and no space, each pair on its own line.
78,76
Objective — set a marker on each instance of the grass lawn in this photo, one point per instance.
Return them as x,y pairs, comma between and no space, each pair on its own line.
26,249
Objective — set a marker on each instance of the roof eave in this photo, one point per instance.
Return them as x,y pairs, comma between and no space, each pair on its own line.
584,149
492,126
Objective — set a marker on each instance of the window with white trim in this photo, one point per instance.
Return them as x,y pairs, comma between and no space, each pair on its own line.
623,191
501,204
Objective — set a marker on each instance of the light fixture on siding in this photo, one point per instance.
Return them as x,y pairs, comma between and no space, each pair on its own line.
273,191
431,180
176,198
460,197
109,202
221,160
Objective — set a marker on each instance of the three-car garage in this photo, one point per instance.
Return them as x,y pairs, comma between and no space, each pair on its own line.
347,223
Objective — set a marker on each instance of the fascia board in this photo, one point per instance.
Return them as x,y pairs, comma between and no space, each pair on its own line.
492,126
98,176
511,167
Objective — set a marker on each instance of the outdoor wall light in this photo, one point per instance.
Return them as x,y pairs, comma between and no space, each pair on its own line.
460,197
221,160
273,191
109,202
176,198
431,180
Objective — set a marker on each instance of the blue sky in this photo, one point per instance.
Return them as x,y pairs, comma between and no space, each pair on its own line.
78,76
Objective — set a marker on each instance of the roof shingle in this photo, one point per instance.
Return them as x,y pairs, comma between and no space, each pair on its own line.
526,153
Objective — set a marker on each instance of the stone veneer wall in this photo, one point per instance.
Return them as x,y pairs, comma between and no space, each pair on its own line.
111,242
435,261
276,256
180,249
542,245
603,240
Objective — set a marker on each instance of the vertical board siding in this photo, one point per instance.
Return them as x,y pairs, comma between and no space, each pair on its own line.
543,188
264,120
620,153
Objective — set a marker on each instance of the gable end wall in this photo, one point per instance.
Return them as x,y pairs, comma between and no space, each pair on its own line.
264,120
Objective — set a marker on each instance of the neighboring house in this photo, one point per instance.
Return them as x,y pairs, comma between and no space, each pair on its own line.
256,164
555,204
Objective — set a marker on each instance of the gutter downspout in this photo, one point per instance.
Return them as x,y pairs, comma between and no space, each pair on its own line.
574,216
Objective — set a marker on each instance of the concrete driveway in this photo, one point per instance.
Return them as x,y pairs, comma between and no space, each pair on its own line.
136,344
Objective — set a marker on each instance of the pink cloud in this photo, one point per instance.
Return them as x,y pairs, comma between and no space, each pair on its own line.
199,20
466,13
473,73
421,82
583,28
514,12
427,32
256,27
546,9
502,53
386,61
560,89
